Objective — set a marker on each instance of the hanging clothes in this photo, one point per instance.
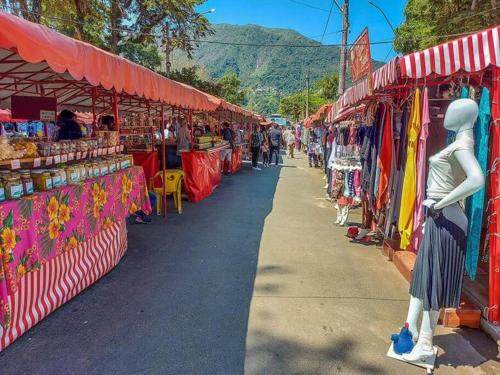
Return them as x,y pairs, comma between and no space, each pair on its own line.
385,159
405,223
476,202
418,217
380,132
401,132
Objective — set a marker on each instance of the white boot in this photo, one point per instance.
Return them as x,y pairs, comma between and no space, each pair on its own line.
339,214
422,351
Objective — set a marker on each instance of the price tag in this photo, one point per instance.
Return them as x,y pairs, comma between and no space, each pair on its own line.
49,160
95,153
71,156
84,155
99,151
78,155
57,159
117,148
64,158
121,148
111,150
37,162
15,164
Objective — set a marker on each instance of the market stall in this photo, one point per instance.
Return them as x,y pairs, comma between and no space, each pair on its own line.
403,119
63,204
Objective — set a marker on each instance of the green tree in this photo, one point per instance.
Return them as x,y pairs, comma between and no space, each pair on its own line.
328,86
133,28
230,88
430,22
294,106
191,76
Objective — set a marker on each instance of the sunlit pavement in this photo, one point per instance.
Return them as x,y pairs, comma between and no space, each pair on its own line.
254,279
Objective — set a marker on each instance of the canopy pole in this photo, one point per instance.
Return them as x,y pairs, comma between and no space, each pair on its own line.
94,117
115,110
163,161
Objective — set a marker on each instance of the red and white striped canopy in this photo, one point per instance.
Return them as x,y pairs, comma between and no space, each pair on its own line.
382,77
471,53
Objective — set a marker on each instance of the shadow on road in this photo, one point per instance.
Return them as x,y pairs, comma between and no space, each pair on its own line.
179,301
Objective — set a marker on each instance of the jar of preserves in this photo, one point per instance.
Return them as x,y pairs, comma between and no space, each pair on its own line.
72,175
83,172
64,180
55,148
103,167
13,186
64,146
27,182
96,170
44,148
42,180
112,166
90,170
56,178
72,146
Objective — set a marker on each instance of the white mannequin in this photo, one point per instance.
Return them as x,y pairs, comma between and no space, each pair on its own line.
460,117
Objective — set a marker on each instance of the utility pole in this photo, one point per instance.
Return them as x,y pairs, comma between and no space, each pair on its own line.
307,95
166,36
343,48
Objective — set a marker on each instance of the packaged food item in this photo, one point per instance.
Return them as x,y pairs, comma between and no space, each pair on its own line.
27,181
96,169
2,191
55,148
73,175
44,148
13,186
64,180
42,180
83,172
56,178
112,166
103,167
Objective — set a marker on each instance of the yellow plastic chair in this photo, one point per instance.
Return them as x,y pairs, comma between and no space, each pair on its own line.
173,186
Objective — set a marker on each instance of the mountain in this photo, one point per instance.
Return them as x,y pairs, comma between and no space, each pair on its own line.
269,73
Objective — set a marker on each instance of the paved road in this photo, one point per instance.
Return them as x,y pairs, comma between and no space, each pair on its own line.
254,279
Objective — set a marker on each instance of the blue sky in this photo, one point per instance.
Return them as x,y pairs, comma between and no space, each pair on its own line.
309,21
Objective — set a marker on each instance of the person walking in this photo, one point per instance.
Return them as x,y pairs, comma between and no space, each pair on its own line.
275,138
255,143
265,147
289,139
227,153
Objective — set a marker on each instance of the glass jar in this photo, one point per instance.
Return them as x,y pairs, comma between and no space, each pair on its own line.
83,172
72,175
90,170
44,148
56,178
103,168
112,166
64,146
64,180
96,170
27,182
55,148
72,146
42,180
2,191
13,186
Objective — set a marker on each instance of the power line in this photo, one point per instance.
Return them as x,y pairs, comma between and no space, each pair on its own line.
327,20
231,43
308,5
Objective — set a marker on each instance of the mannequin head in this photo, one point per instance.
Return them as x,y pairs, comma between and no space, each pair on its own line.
461,114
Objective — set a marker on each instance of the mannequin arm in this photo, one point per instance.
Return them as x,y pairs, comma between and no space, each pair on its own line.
473,182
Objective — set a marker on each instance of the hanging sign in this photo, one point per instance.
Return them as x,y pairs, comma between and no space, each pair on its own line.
47,116
360,59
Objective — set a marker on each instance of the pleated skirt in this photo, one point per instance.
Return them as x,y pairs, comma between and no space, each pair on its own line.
437,277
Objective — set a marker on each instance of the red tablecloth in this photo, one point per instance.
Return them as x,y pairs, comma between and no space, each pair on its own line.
236,159
202,173
149,162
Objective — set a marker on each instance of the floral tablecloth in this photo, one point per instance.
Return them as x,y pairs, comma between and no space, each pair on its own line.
37,228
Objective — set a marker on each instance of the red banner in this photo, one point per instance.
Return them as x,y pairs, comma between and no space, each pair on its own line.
360,58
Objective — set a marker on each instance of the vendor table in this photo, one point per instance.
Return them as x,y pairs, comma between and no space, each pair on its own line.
55,244
149,161
202,172
236,159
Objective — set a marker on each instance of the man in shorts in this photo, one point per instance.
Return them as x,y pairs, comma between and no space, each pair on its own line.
226,154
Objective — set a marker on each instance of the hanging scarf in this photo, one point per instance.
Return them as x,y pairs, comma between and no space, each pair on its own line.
476,202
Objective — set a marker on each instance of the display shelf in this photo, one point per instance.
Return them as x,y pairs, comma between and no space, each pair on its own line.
47,161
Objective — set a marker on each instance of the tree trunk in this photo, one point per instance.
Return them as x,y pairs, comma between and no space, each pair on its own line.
115,22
